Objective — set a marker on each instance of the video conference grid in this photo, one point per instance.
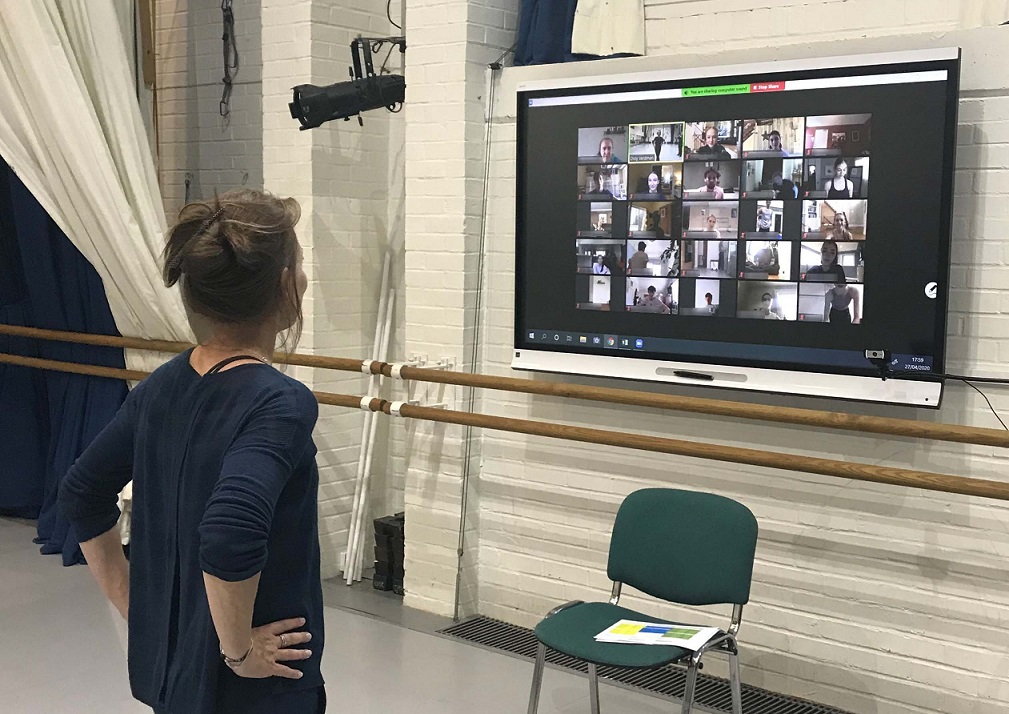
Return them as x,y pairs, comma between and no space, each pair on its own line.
699,218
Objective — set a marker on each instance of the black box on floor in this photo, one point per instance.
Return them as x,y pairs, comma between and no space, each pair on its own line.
381,582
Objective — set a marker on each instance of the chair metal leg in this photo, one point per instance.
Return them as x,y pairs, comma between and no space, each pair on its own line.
735,683
534,694
593,689
688,691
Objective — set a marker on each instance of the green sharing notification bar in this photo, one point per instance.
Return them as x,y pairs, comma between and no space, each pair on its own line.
733,89
718,90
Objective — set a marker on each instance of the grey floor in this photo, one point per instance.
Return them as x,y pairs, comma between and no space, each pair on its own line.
63,650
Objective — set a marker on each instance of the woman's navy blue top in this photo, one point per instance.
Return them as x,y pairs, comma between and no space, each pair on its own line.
225,483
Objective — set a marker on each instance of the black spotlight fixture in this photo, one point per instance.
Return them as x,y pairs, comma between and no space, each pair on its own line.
312,105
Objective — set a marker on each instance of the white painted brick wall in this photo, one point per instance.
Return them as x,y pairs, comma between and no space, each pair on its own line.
218,155
338,172
872,598
451,42
341,174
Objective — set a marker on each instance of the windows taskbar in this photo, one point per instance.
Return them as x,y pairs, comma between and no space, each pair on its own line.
812,356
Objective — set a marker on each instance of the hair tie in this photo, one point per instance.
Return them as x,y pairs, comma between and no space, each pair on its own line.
209,222
176,263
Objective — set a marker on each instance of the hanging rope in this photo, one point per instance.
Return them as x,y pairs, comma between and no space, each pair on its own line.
230,56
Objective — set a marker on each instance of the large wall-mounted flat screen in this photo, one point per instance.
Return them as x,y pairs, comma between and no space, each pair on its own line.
755,227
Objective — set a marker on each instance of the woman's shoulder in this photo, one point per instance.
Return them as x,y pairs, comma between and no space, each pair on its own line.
293,393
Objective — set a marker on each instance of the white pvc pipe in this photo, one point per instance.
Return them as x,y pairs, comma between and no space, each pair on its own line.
366,428
363,521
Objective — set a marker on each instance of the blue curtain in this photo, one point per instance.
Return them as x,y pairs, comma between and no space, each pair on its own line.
49,416
545,31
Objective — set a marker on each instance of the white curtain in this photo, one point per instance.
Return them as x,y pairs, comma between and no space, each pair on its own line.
70,127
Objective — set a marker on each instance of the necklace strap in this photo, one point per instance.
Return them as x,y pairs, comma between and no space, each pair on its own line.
237,358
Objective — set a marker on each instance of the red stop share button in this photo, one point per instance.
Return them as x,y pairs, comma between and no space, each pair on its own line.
767,87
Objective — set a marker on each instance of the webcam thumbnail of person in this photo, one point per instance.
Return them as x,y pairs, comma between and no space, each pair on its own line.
829,261
600,256
656,143
651,257
769,222
838,220
767,300
593,292
707,258
655,182
772,178
711,141
602,181
595,219
656,295
707,298
772,138
766,260
837,304
711,182
654,219
838,135
837,177
602,145
702,218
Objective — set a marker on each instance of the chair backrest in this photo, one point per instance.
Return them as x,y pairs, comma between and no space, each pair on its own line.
684,546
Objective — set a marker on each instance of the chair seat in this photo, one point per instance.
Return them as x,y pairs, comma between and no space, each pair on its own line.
572,632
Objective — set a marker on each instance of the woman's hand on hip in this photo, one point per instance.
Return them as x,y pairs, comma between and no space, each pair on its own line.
273,644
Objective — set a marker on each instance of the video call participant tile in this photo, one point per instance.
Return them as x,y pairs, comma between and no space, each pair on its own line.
837,177
832,219
654,219
767,300
593,292
655,143
602,182
780,137
602,145
701,219
601,256
594,219
655,182
766,260
707,258
836,304
769,223
653,295
715,182
831,262
772,178
651,257
707,298
838,135
711,141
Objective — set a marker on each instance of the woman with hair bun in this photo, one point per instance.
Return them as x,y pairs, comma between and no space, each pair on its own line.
222,593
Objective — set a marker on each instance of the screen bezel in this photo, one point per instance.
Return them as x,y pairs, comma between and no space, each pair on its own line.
742,375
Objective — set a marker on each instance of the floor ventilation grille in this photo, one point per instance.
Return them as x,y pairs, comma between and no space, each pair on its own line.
711,692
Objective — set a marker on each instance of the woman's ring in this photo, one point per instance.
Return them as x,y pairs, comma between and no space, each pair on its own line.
283,641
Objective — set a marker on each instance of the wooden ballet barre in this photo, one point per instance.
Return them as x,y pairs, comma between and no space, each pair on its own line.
140,343
872,473
889,426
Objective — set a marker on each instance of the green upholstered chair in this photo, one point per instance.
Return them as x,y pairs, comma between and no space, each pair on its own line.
681,546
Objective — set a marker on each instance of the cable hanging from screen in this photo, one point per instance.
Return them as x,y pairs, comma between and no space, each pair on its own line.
988,402
388,12
969,381
230,57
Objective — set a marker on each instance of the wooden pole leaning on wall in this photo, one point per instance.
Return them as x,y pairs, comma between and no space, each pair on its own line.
908,428
872,473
